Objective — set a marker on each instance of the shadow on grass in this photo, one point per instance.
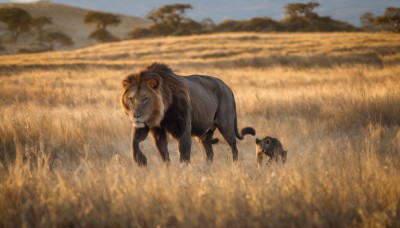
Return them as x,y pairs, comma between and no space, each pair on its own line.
223,61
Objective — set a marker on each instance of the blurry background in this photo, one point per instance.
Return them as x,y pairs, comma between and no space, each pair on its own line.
51,25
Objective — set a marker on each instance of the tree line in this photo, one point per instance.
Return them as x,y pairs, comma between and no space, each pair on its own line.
389,21
172,20
298,17
19,21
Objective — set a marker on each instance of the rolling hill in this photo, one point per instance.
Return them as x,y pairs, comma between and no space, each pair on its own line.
244,49
69,20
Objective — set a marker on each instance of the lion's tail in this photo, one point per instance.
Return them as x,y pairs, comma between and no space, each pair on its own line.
244,131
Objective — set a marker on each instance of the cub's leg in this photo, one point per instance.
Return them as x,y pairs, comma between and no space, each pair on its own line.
284,154
270,161
259,159
138,135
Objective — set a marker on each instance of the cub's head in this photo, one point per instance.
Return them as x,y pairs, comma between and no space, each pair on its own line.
264,146
271,147
142,100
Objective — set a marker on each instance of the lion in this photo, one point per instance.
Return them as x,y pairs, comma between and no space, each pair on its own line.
159,101
272,148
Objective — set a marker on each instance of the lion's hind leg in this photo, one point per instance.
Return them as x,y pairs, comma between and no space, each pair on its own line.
230,138
207,142
226,128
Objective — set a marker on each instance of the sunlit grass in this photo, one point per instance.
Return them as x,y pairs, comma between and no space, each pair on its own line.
230,50
64,142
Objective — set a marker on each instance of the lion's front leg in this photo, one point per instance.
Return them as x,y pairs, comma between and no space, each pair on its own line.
139,135
185,145
161,141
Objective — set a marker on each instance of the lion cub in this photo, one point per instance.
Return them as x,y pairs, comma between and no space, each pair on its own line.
270,147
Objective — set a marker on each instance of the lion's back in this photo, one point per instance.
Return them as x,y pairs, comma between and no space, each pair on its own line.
208,96
206,83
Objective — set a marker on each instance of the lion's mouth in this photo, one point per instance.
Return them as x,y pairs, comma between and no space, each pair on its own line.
138,123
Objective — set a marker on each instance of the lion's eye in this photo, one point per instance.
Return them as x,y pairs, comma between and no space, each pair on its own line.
144,101
131,99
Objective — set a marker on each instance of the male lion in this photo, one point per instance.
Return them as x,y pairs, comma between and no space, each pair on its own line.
271,147
157,100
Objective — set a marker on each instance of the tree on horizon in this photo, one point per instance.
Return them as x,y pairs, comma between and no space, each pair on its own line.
390,18
102,21
300,10
17,20
168,18
38,24
60,38
389,21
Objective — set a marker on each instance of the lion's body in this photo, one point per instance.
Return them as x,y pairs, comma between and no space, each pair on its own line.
159,101
211,103
270,147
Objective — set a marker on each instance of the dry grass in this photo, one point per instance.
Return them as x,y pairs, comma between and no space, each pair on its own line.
230,50
64,142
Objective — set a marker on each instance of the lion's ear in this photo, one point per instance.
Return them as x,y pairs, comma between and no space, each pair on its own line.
128,81
152,80
125,83
152,83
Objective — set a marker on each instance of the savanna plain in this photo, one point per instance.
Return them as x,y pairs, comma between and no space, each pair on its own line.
333,99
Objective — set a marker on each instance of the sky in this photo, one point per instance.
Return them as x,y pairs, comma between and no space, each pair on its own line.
345,10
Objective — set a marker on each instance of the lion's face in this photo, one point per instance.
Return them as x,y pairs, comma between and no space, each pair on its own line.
142,101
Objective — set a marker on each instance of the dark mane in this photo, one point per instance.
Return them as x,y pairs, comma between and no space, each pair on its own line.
175,97
129,81
159,68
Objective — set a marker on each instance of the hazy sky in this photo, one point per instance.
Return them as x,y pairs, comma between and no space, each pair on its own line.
347,10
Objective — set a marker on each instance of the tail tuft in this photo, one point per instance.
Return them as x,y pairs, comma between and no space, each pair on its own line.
248,131
245,131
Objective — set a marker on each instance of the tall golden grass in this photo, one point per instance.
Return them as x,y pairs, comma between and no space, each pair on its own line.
64,142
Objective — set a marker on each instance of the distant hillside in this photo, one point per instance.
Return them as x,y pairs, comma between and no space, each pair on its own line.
69,20
229,50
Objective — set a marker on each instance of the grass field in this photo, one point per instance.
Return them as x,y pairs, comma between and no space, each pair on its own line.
332,99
